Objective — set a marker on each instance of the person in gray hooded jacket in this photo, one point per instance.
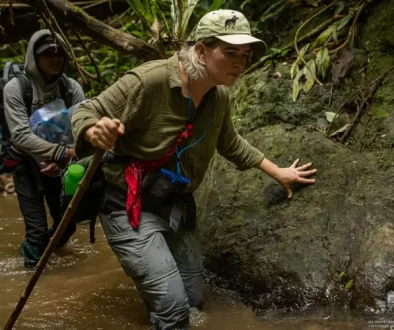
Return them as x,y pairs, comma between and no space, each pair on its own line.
44,66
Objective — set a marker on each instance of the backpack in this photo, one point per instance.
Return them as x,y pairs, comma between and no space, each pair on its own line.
8,158
12,70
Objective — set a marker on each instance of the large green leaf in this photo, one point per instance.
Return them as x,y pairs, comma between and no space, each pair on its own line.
331,116
190,5
323,37
297,85
294,69
343,22
309,76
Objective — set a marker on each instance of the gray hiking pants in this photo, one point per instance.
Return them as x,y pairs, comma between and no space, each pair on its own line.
165,266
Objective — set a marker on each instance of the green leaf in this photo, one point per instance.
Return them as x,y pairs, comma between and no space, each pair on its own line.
162,16
273,11
308,85
335,35
190,5
341,275
295,67
303,51
176,16
309,76
276,50
318,61
296,90
322,38
181,16
216,4
340,7
343,22
294,70
265,58
331,116
326,61
349,285
297,86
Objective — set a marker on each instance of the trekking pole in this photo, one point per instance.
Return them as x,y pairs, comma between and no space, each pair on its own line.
56,237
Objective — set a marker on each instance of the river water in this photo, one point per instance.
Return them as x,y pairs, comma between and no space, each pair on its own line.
83,287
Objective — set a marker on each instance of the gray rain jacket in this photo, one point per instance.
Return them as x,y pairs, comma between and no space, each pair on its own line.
23,139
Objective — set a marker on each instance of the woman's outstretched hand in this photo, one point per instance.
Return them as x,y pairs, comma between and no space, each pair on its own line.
288,175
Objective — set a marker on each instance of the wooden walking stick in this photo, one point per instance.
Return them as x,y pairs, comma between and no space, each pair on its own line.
56,237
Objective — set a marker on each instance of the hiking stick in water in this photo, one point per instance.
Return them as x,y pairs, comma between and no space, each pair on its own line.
56,237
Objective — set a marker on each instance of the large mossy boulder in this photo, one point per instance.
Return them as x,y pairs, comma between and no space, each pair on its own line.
334,240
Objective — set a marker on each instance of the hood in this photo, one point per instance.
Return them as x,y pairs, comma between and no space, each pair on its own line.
31,66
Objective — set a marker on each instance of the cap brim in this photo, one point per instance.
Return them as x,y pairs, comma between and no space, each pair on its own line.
242,39
43,48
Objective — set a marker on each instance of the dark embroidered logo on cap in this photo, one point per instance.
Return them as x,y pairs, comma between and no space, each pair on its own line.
230,22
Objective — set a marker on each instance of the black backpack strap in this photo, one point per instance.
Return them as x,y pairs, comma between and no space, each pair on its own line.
27,91
66,91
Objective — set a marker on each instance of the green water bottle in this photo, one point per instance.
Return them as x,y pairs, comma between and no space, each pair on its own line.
72,178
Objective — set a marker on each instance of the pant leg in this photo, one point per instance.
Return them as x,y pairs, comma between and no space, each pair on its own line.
52,190
31,204
145,256
186,250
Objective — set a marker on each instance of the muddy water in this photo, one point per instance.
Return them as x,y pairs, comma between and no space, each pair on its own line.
84,287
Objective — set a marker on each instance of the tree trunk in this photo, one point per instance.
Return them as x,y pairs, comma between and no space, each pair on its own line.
67,13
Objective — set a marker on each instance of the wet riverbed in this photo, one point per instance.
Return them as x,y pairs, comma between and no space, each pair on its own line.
84,287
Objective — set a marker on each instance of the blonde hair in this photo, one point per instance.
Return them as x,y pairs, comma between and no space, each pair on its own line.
190,60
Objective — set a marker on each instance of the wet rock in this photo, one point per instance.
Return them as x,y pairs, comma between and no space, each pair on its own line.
9,188
390,299
291,253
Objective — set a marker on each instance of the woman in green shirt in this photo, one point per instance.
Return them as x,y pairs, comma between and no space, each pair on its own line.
163,122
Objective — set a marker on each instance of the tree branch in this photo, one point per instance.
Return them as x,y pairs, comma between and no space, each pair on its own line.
97,77
67,13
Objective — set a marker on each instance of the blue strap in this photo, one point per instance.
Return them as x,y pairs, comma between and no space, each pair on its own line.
179,152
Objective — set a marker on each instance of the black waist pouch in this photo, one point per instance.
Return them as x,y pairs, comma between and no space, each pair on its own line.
160,194
158,191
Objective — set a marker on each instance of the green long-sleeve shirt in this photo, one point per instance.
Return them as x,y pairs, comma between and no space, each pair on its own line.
149,102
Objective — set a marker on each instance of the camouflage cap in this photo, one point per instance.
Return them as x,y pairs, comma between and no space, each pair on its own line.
227,25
